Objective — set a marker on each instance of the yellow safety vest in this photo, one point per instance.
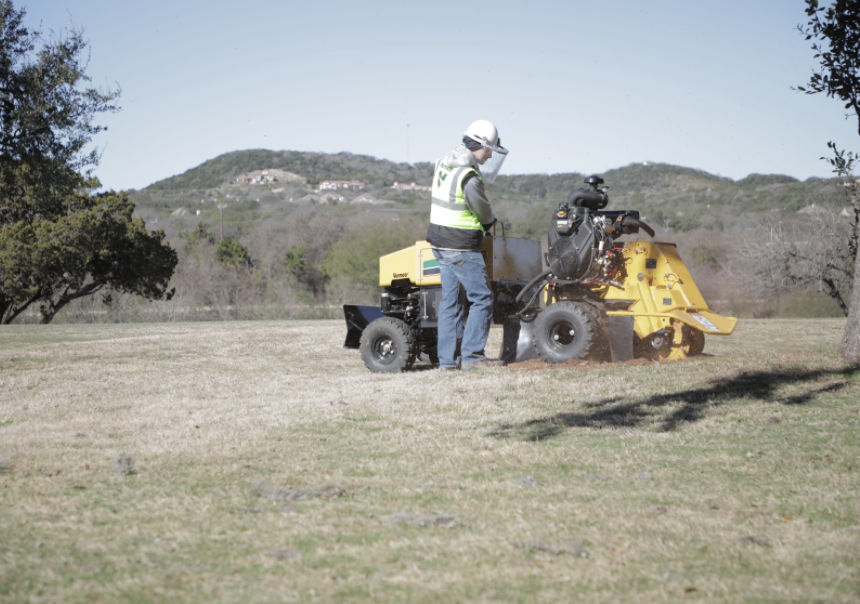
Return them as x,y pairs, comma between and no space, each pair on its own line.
449,207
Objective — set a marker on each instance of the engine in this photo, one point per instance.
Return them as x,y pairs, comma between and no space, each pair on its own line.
582,237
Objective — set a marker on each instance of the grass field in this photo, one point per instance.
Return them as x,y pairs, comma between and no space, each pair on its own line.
261,462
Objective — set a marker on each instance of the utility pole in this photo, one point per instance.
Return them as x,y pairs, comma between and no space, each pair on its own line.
221,207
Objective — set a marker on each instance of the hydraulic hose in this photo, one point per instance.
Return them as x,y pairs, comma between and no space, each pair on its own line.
531,284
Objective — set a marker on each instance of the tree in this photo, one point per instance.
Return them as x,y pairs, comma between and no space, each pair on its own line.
776,257
301,267
200,233
58,240
355,257
46,111
230,253
836,30
94,245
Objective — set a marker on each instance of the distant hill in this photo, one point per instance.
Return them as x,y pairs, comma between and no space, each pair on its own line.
674,197
656,183
315,167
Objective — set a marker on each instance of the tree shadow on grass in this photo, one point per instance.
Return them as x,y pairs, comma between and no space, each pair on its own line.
630,412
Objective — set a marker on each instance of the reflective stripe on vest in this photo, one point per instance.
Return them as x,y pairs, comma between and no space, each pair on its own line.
449,204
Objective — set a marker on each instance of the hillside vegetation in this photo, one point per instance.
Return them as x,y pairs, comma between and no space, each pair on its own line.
647,182
673,197
290,249
313,166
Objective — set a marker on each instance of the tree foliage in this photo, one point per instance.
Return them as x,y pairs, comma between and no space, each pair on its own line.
93,244
232,254
58,241
844,164
300,266
836,30
355,257
200,233
46,110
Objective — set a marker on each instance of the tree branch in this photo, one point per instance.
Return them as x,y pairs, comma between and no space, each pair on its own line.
88,289
21,309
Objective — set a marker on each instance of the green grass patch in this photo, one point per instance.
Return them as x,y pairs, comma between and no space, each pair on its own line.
727,478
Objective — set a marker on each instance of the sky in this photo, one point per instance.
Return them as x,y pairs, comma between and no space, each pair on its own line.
572,86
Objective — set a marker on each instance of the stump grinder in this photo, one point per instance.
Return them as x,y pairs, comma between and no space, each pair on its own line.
579,294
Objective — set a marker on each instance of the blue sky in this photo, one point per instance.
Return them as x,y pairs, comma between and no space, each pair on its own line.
572,86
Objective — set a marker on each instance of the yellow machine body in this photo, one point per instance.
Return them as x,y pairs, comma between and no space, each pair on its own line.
507,259
657,291
663,296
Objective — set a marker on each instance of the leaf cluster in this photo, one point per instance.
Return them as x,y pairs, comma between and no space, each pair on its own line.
836,30
199,234
355,257
232,254
46,108
95,242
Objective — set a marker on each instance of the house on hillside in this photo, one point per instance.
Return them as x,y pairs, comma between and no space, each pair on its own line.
268,176
333,185
410,187
257,177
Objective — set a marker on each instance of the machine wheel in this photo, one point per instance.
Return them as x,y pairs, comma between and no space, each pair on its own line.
387,346
564,331
600,351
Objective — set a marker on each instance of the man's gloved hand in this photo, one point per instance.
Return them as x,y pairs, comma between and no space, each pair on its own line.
487,227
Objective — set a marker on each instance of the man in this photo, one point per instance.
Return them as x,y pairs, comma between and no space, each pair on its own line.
458,218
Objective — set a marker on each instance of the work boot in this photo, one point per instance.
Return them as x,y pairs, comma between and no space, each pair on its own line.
483,364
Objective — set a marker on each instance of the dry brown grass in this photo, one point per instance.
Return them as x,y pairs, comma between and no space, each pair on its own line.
732,477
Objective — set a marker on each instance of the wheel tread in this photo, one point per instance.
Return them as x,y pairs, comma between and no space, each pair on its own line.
405,348
586,328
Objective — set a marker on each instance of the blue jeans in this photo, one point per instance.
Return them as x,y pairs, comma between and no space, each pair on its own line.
463,272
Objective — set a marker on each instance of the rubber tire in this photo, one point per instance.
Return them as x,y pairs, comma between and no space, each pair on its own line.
387,346
551,338
600,350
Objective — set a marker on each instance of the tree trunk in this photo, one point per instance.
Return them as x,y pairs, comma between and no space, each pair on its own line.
14,312
850,349
87,290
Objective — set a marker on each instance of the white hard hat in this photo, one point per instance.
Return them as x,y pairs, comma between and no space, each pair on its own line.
483,132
